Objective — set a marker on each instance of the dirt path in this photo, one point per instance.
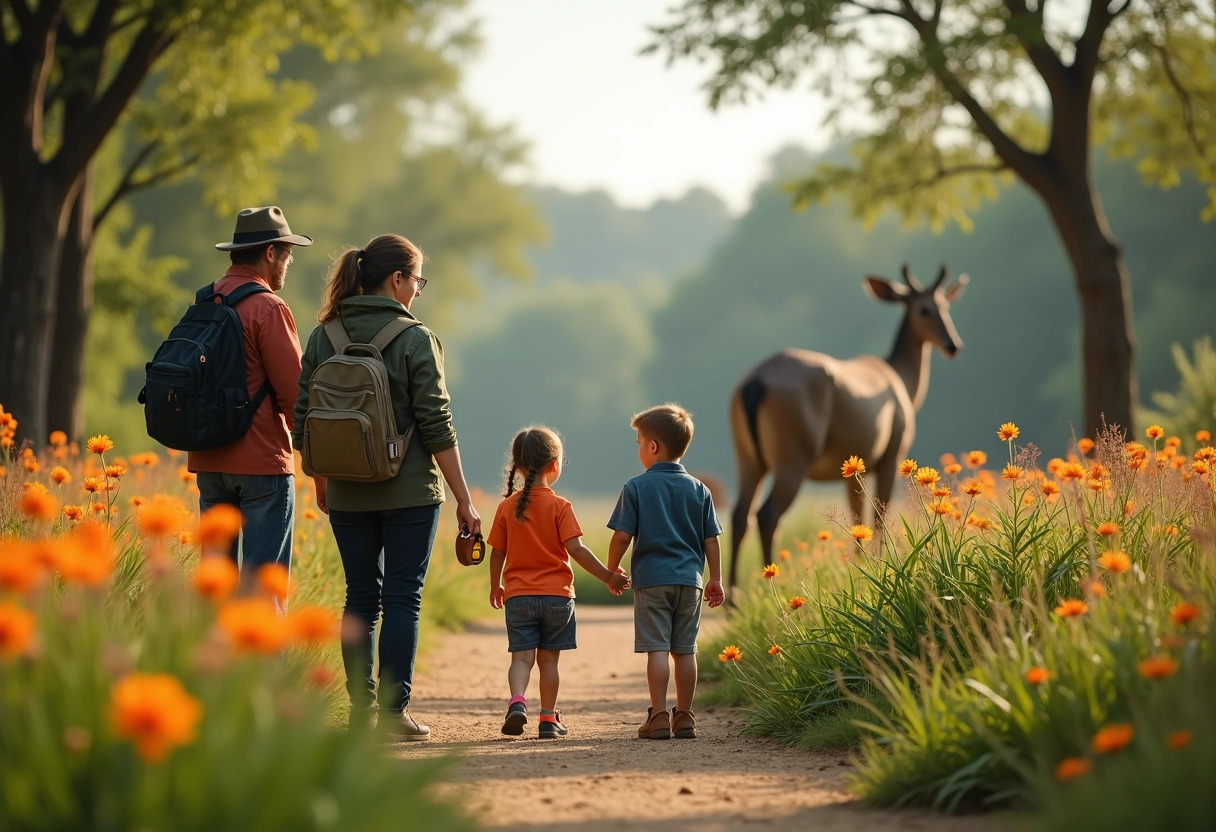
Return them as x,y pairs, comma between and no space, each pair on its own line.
601,777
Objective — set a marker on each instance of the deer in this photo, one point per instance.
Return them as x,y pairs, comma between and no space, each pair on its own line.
800,414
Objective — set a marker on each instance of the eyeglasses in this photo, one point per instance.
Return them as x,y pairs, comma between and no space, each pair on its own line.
421,281
565,460
291,258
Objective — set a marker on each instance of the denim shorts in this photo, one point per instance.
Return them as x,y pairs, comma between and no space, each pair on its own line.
666,619
540,621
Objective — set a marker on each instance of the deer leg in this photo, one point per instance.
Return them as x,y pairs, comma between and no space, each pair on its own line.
749,481
786,482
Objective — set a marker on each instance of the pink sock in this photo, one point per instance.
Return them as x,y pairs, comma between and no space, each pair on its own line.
519,699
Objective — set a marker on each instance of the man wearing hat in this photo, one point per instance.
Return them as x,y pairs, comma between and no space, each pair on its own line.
256,473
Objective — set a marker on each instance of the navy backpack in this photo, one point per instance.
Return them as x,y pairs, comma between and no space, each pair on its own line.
196,396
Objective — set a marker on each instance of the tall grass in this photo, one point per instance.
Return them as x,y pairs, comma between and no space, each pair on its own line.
128,700
921,643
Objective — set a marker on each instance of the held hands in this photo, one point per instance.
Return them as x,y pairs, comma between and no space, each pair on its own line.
618,581
714,594
496,596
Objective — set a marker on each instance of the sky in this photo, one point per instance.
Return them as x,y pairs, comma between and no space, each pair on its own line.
568,76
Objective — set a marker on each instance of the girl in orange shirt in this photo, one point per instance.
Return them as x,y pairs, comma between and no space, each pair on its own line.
534,536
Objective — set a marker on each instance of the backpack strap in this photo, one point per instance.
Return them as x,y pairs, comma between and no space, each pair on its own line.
391,330
205,293
243,291
337,334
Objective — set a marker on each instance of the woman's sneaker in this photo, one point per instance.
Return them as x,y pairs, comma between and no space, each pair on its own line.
683,725
404,729
517,718
551,730
656,727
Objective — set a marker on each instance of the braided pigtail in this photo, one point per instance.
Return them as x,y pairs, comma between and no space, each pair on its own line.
522,505
510,481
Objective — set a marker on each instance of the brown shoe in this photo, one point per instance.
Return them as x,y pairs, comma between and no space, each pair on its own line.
405,729
684,724
656,727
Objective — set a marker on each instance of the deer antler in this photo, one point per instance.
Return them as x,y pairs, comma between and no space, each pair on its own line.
941,278
912,282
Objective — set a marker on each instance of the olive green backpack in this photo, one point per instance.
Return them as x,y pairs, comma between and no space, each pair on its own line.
349,429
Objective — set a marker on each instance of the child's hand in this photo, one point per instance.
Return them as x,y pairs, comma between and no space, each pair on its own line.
496,597
714,594
618,581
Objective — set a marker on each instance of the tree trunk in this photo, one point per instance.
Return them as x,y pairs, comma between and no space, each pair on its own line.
29,264
1108,341
74,304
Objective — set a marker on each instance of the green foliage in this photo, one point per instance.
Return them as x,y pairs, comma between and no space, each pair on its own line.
1193,407
933,634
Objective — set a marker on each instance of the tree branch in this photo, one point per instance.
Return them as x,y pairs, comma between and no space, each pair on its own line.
942,174
1085,65
1184,95
96,123
1031,38
130,184
874,11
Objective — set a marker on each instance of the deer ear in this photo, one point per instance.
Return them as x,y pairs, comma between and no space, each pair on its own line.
955,290
880,288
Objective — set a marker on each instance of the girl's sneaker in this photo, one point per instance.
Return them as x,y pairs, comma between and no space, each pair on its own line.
517,718
552,730
683,725
656,727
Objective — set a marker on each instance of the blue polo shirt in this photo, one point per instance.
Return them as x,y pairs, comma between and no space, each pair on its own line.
670,515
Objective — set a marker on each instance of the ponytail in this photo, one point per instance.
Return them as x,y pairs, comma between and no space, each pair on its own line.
522,505
532,449
358,271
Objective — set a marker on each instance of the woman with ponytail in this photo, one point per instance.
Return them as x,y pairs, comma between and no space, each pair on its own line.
534,537
385,530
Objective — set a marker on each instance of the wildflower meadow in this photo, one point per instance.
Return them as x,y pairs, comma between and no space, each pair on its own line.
139,689
1019,635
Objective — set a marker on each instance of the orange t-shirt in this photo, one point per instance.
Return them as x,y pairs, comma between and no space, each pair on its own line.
537,563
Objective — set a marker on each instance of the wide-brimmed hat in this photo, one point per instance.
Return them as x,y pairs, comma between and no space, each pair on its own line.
259,226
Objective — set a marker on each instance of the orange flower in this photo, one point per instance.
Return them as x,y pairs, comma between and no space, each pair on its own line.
1049,489
185,538
853,466
37,504
155,712
274,580
99,444
320,676
1155,432
771,571
185,474
801,544
1172,642
953,468
1008,431
73,512
1072,608
1179,739
1157,667
1071,768
941,506
60,475
253,625
824,534
907,468
20,571
1011,472
861,533
797,602
941,492
982,523
309,514
1203,436
1128,507
976,458
218,526
313,625
16,631
1108,529
217,577
927,476
161,516
138,501
774,650
1094,588
1037,675
730,654
94,484
1183,613
1113,737
1071,471
33,466
86,556
1085,445
1173,442
115,472
1115,561
58,438
784,554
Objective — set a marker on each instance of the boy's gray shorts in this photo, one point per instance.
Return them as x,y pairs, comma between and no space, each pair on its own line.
666,619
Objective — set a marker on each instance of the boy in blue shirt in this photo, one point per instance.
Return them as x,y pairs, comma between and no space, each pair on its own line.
668,516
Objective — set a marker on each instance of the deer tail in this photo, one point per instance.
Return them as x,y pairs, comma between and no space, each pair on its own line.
751,394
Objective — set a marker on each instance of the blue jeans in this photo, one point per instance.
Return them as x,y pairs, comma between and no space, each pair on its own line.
268,509
385,555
